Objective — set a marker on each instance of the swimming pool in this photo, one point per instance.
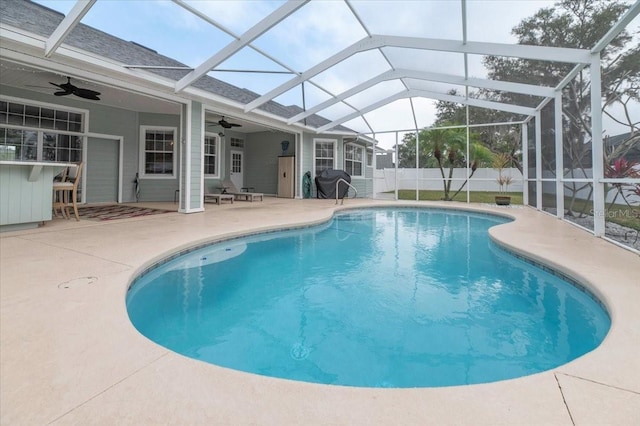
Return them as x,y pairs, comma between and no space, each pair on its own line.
376,298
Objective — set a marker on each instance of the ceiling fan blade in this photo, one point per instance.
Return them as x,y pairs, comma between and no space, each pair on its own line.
62,93
86,94
224,123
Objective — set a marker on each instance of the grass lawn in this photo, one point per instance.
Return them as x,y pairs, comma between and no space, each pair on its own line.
619,213
476,196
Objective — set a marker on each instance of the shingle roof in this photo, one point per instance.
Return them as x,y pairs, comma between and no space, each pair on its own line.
42,21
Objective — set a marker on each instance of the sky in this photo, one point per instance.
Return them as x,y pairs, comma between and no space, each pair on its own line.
314,33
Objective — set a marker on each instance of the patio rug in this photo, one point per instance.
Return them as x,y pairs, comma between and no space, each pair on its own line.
113,212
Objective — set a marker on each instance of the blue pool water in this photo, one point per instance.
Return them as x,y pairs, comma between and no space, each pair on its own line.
374,298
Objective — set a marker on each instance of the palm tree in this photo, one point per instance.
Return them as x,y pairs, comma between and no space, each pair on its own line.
448,148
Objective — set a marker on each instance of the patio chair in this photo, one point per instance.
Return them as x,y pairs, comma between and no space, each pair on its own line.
218,198
65,194
229,188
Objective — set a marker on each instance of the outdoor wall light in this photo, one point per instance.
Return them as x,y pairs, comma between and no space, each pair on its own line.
285,146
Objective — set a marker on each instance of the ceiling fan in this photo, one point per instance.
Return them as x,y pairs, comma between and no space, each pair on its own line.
224,123
70,89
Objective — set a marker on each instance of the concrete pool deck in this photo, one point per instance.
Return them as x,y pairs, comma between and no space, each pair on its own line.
69,355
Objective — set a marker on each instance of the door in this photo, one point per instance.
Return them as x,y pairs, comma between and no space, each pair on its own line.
286,177
102,170
237,169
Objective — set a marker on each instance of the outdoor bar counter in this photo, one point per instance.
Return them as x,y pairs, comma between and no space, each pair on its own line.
26,189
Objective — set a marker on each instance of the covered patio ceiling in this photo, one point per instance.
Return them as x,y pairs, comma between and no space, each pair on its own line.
383,59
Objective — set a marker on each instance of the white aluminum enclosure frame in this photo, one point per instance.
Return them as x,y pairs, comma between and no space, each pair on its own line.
54,48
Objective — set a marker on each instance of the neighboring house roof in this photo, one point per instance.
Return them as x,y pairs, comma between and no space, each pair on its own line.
633,153
42,21
610,144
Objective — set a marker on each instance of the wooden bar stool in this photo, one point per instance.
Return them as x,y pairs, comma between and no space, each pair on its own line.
65,194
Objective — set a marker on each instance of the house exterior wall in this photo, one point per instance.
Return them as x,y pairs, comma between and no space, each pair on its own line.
261,160
115,122
102,159
154,189
261,151
364,185
118,122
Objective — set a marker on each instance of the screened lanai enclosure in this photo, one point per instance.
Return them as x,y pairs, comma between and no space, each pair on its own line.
436,100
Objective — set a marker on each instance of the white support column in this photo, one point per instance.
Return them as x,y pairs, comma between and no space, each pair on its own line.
299,166
375,157
185,169
538,160
374,166
525,164
417,166
559,156
467,152
596,147
396,167
200,143
192,184
184,150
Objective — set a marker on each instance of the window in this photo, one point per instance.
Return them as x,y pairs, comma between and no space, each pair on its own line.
236,142
58,147
353,157
158,151
369,158
20,114
211,155
31,132
324,155
19,145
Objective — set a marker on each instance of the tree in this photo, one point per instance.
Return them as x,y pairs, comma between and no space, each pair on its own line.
444,149
576,24
502,139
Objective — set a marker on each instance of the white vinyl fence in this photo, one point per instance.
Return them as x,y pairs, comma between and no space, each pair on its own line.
484,179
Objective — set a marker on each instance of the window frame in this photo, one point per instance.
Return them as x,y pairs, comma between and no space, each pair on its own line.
218,141
362,161
142,142
58,149
236,143
316,141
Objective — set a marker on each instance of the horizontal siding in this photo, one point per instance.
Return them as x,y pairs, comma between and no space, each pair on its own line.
156,189
364,185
